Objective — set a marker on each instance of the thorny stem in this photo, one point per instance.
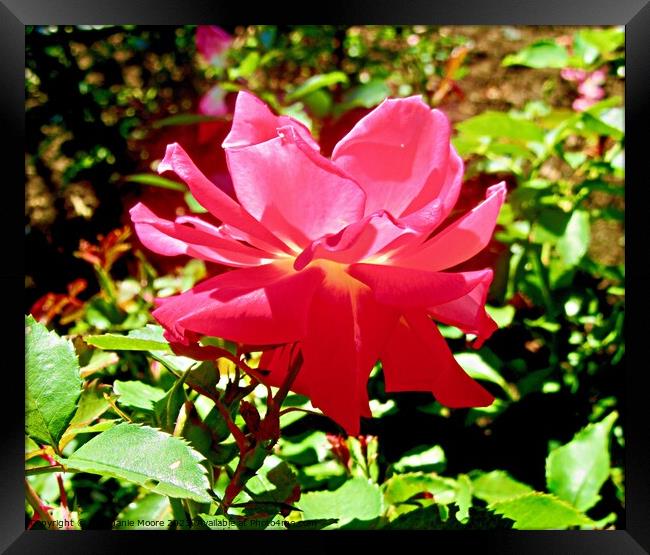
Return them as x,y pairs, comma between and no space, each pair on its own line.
63,496
239,478
39,507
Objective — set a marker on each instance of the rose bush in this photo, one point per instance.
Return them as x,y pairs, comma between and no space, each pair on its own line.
338,262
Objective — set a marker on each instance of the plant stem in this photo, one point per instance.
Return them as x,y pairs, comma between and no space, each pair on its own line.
39,507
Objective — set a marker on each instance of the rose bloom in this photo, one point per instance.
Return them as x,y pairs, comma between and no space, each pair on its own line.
339,262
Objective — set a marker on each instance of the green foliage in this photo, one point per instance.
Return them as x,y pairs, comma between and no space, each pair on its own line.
540,511
591,47
52,385
424,458
355,503
149,511
497,486
149,338
540,54
136,394
430,518
576,471
146,456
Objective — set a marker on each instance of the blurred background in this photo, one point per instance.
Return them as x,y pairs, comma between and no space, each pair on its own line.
538,107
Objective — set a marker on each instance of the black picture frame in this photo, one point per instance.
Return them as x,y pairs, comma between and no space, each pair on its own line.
634,14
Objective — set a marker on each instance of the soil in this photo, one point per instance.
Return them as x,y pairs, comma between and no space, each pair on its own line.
490,86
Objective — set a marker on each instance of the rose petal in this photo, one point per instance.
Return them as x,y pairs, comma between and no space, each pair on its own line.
358,241
262,306
203,241
407,287
417,358
459,241
345,332
397,153
215,201
468,312
293,190
254,123
438,199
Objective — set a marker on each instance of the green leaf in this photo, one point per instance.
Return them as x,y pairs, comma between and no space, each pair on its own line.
401,487
148,512
149,338
463,498
155,181
497,485
541,54
357,499
193,204
573,244
576,471
499,125
479,369
540,511
315,83
502,315
275,483
168,407
246,68
137,395
367,95
604,40
304,449
423,458
146,456
52,383
429,518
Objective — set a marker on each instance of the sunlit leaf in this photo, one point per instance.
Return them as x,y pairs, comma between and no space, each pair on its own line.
153,459
52,383
577,471
540,511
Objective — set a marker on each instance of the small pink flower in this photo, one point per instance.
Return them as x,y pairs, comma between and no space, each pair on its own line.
570,74
213,103
581,103
343,261
589,86
211,42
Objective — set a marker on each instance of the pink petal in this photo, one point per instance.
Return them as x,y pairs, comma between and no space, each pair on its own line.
437,199
358,241
263,305
213,102
459,241
591,90
215,201
187,236
293,190
212,41
254,123
468,312
570,74
407,287
346,330
417,358
581,103
396,153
